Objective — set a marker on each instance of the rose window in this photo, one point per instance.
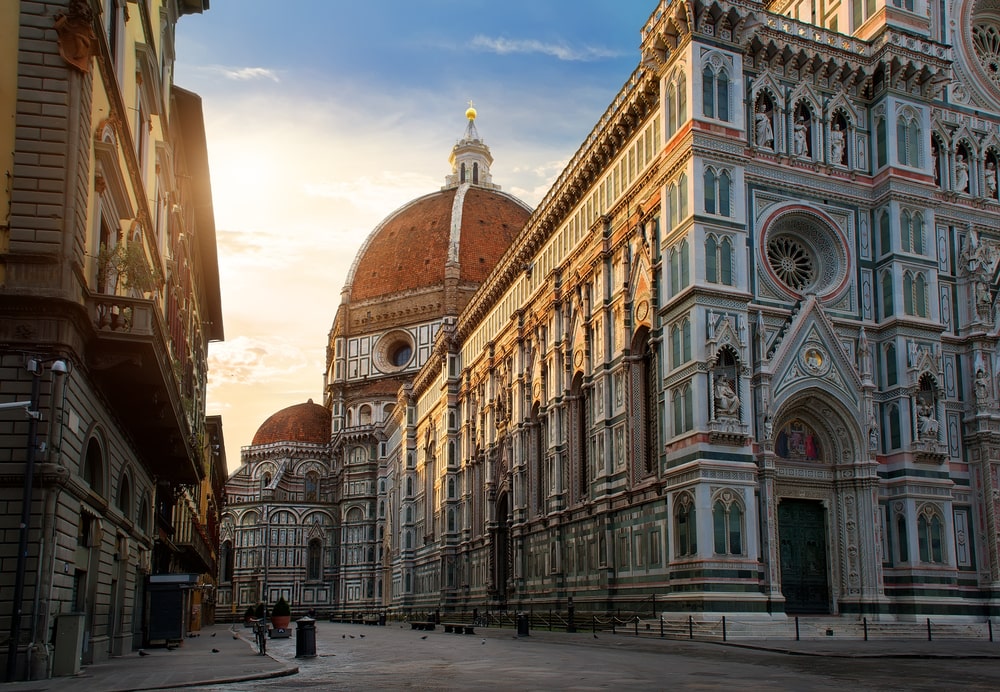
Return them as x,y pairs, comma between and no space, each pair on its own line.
804,254
986,43
791,261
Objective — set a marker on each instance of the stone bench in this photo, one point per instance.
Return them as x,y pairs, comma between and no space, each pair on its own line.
458,628
421,625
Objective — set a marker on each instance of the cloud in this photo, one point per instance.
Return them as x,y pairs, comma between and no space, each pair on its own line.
242,74
506,46
247,359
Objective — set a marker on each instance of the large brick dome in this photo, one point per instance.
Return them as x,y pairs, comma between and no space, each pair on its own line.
466,226
306,422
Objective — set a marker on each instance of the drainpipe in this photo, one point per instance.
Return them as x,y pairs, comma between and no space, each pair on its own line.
38,654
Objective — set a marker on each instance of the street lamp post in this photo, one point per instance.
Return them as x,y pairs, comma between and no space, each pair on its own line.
34,366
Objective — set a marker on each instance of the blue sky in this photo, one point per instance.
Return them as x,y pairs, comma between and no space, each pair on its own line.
326,116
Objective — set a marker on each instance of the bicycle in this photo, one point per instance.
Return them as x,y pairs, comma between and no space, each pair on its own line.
260,634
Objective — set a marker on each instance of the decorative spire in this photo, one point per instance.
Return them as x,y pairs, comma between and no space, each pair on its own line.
470,157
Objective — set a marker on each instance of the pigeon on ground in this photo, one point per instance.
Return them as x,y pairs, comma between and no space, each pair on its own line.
362,636
352,636
424,637
143,653
595,636
484,641
214,633
235,636
343,636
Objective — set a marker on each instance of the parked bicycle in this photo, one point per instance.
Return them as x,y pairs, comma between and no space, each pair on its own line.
260,634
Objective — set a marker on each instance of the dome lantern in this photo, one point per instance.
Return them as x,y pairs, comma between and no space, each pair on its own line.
470,158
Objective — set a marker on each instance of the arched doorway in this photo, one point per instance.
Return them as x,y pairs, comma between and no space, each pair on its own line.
823,537
805,582
501,548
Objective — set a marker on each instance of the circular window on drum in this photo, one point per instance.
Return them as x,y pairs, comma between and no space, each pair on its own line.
394,351
804,254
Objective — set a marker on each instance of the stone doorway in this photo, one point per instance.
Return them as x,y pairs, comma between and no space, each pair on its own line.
805,581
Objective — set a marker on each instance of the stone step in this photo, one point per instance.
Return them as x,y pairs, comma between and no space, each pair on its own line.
748,628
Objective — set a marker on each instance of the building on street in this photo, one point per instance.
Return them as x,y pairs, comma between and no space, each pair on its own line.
109,296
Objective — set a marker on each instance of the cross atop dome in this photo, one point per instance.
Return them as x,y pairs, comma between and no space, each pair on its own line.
470,158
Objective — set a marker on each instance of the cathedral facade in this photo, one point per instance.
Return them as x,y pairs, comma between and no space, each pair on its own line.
741,358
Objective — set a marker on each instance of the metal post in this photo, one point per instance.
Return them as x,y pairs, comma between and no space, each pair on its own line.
929,630
723,628
865,623
22,543
654,605
661,628
989,626
690,627
796,628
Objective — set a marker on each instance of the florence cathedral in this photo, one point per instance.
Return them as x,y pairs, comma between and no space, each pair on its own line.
742,357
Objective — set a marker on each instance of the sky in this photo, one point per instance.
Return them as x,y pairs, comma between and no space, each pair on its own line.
326,116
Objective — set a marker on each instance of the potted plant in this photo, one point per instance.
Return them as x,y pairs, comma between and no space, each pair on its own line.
281,615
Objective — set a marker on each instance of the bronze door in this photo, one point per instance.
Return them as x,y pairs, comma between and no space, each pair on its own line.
804,578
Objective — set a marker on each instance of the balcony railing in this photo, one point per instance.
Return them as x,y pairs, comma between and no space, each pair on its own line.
131,362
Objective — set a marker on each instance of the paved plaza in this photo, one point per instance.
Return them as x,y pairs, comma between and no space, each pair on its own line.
356,657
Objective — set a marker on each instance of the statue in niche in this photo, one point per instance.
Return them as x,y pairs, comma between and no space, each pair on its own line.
837,145
991,179
934,163
800,141
872,433
763,131
927,424
982,387
727,403
961,174
984,304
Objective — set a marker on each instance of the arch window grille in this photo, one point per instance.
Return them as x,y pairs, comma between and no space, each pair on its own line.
719,260
911,232
680,342
680,267
902,540
685,526
887,295
908,139
915,294
884,233
717,190
727,523
315,560
930,535
676,110
683,409
715,92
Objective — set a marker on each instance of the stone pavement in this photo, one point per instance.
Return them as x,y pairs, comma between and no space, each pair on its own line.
215,657
237,661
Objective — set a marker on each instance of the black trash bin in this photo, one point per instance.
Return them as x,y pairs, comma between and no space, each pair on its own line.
305,638
522,624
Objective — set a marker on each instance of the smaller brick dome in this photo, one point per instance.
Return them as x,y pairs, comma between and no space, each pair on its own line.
306,422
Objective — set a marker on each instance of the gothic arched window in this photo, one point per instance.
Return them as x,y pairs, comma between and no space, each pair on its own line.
683,409
685,526
719,260
312,487
908,139
727,525
715,92
315,560
887,295
929,535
